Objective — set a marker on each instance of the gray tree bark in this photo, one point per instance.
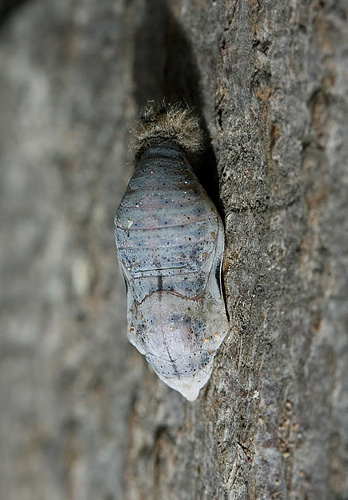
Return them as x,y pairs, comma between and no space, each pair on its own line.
82,414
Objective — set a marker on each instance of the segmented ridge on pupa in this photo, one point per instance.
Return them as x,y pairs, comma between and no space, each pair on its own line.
172,123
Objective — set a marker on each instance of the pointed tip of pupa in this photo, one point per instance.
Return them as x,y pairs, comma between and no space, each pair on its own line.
189,387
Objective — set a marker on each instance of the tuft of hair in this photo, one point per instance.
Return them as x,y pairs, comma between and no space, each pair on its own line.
172,123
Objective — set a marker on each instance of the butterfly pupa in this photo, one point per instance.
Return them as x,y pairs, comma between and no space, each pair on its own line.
170,244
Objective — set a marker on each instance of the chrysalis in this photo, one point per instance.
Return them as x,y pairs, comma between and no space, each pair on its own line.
170,242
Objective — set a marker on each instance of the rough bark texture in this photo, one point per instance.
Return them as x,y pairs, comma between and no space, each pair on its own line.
82,415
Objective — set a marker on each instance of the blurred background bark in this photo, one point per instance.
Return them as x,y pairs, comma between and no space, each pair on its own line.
82,414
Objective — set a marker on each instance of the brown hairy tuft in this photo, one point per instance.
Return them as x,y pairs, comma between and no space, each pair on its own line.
172,123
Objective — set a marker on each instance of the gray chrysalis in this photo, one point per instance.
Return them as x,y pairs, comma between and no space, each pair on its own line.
170,244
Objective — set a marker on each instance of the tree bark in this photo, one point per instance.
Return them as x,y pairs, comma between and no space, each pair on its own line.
82,414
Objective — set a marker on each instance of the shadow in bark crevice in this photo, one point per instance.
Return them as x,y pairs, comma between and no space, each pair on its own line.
7,7
165,70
